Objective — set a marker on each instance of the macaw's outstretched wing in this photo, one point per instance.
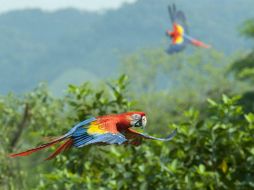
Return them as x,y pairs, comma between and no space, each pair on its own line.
100,131
174,48
168,138
90,131
134,134
103,138
177,16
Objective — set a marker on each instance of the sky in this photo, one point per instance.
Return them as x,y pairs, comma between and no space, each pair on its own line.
52,5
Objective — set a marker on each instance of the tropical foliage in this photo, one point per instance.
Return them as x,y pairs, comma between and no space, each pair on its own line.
197,94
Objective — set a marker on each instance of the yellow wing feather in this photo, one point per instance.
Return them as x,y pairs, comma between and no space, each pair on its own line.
96,128
180,30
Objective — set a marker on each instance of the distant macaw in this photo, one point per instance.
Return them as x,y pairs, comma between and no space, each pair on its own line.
102,130
180,34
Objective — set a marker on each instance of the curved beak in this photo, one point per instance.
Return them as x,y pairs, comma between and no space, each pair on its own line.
138,123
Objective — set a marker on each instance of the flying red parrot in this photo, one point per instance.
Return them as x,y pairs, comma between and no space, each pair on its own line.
103,130
180,35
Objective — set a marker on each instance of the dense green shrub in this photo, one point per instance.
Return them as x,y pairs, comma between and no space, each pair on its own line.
215,152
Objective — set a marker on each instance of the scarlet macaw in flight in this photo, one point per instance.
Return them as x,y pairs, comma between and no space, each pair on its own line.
103,130
180,34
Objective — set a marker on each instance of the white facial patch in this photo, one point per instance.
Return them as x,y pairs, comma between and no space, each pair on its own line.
136,117
144,121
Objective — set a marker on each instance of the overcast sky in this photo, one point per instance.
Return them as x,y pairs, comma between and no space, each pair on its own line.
51,5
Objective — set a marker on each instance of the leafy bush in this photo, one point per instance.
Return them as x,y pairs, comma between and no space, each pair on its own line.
215,152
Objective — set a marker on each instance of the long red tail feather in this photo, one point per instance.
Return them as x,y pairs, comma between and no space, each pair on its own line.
61,148
200,44
30,151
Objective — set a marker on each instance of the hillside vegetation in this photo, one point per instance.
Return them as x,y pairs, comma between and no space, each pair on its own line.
42,46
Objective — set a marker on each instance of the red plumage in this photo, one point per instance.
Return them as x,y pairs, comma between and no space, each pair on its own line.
109,129
43,146
61,148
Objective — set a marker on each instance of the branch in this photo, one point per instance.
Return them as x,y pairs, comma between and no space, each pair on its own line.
21,126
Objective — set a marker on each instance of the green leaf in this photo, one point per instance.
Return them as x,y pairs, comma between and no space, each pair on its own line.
211,102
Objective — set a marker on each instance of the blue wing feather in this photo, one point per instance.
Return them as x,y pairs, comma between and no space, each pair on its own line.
174,48
82,141
168,138
107,138
85,122
81,138
178,16
77,129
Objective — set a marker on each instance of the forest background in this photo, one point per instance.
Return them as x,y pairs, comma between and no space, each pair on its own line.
53,68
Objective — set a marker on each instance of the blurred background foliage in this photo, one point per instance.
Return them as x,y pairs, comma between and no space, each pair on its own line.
72,46
207,95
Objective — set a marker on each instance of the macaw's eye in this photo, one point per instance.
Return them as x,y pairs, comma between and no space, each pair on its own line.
136,116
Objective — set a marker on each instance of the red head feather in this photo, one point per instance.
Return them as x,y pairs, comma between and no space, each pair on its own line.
123,120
